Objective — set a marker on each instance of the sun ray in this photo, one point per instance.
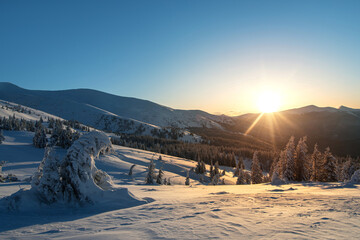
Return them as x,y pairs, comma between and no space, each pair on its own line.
254,123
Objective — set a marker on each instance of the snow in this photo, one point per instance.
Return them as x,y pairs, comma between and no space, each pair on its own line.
30,114
261,211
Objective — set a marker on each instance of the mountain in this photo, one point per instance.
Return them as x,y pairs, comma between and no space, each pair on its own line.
103,110
337,128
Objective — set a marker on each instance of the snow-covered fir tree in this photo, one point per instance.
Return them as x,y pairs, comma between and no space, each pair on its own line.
211,171
347,169
237,170
287,161
328,173
187,180
150,176
316,163
216,168
49,184
241,177
159,178
39,139
200,166
256,172
131,169
355,178
301,161
2,138
80,179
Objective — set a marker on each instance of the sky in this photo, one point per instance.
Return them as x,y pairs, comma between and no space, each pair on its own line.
217,56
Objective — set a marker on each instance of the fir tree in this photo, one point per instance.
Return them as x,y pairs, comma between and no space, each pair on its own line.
131,169
159,178
241,177
329,167
301,171
150,173
2,138
187,180
49,185
316,164
39,139
287,161
237,170
256,173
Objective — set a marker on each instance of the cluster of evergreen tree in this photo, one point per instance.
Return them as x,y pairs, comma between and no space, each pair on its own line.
151,176
17,108
12,123
296,164
225,156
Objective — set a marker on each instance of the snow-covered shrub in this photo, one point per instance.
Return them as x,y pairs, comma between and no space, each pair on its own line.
355,178
275,180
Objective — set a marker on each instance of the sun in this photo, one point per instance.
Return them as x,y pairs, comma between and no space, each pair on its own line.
268,102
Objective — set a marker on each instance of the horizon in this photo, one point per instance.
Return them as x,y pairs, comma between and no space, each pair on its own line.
214,113
219,57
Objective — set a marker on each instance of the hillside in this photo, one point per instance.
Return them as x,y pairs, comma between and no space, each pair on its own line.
91,107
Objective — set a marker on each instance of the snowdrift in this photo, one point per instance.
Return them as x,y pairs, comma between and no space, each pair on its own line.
74,181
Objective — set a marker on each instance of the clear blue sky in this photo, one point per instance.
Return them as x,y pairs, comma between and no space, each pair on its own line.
210,55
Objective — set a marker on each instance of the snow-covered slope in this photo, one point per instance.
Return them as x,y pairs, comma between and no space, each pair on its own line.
105,120
262,211
88,106
9,109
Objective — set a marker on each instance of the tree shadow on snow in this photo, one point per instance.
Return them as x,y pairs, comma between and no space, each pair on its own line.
45,214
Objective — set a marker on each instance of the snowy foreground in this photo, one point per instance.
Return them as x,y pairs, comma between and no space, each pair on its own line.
296,211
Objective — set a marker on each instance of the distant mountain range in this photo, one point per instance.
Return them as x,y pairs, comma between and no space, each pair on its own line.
107,111
337,128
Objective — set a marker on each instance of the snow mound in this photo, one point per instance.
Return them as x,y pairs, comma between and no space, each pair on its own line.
74,181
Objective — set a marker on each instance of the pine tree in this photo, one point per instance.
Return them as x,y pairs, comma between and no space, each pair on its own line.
316,164
256,173
150,174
